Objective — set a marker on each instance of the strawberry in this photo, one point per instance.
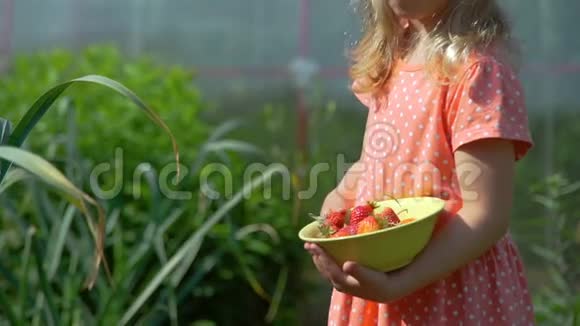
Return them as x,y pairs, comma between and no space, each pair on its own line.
327,230
345,231
369,224
359,213
389,217
336,218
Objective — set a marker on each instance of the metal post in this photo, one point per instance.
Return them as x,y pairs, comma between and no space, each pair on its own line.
76,23
302,136
137,38
548,39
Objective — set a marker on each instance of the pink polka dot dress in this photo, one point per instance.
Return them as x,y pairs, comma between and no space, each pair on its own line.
410,140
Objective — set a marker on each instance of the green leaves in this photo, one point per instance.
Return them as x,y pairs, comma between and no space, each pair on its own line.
556,299
41,274
50,175
5,129
193,243
42,104
162,250
41,169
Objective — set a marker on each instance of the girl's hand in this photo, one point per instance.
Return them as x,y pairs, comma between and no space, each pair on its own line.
354,279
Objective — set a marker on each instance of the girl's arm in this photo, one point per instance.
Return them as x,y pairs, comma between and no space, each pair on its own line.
486,173
343,196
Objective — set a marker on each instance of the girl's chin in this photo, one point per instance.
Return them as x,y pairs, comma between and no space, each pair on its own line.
403,14
404,18
411,10
401,11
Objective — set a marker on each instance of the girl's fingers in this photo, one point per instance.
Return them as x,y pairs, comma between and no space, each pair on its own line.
345,283
319,251
320,267
350,267
331,270
308,247
363,274
334,273
327,267
311,247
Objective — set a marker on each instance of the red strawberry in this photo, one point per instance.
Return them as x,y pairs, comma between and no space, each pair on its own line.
359,213
389,217
345,231
369,224
327,230
336,218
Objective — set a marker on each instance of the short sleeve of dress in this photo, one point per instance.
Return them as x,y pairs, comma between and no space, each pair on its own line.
488,103
366,99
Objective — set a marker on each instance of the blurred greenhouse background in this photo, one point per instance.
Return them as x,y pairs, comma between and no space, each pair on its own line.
237,82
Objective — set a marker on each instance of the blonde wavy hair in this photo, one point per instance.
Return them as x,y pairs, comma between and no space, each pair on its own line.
465,27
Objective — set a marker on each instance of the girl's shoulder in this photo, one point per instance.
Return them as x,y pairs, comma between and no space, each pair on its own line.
485,62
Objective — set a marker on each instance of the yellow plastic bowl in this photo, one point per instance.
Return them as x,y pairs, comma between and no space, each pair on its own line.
386,249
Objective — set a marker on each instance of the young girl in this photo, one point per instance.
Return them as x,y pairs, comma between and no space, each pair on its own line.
446,119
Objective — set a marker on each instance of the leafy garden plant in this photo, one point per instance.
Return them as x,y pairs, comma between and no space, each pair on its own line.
162,260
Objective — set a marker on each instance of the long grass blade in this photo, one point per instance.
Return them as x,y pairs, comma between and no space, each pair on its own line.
233,145
249,275
112,221
5,128
224,129
10,211
172,218
38,309
267,229
151,177
43,206
193,241
43,104
41,169
46,291
219,132
206,266
7,309
144,247
56,253
278,293
171,288
24,280
50,175
12,177
7,274
181,270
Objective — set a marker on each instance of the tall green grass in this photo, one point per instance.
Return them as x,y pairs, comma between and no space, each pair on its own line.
145,282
